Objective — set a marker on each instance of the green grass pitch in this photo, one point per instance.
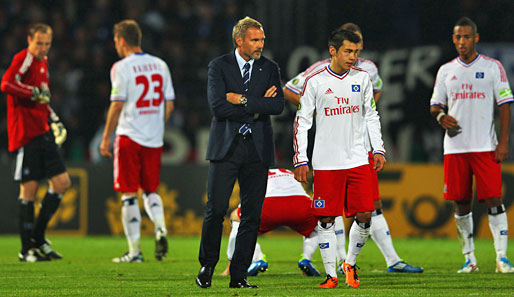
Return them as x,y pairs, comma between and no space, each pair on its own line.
86,270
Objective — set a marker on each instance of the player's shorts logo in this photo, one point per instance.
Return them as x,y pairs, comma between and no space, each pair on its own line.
359,245
479,75
324,245
319,204
356,88
504,232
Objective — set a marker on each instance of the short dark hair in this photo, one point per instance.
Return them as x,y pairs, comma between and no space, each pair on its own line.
465,21
130,31
351,27
338,36
40,27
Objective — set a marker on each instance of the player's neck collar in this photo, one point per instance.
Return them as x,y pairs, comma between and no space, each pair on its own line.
341,76
470,63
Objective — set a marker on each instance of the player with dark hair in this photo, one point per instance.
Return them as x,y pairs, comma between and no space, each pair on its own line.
342,97
141,103
468,87
379,231
35,147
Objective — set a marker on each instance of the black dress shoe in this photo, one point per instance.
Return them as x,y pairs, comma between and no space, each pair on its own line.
241,284
204,278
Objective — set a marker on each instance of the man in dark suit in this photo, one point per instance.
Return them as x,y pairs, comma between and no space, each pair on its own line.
243,91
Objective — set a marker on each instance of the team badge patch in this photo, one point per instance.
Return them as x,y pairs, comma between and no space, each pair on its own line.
356,88
319,204
295,81
324,245
479,75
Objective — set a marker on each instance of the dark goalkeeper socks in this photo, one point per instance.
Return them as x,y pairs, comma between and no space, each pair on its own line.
49,205
25,223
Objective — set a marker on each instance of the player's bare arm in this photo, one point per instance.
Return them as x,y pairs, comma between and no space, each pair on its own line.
376,96
379,161
112,121
169,108
446,121
502,149
291,97
300,173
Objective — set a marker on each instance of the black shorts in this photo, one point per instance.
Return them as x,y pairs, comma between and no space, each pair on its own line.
37,160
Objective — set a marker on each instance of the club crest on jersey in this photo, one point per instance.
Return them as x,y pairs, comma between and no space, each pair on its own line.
356,88
319,204
479,75
324,245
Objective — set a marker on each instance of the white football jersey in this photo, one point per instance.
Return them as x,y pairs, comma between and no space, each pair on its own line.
297,83
142,82
470,91
281,183
344,105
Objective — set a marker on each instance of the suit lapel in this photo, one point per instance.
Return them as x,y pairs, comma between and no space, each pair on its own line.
256,73
235,72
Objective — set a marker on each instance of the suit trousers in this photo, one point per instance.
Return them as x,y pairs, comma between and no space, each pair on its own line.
243,163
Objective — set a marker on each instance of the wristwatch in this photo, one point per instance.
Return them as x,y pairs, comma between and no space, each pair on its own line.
243,100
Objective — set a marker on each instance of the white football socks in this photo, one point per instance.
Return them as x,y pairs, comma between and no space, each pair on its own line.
499,228
465,232
155,211
131,218
357,239
379,232
341,239
327,244
231,246
310,244
257,253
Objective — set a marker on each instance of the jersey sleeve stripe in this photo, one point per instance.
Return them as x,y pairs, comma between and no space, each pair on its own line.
437,103
26,63
307,79
294,90
117,98
507,100
295,140
316,65
503,77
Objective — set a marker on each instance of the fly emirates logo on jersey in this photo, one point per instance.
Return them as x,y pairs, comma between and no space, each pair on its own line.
343,108
466,92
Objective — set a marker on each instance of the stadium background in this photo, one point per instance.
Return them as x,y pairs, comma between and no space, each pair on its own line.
408,40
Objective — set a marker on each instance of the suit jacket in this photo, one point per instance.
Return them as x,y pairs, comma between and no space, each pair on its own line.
224,76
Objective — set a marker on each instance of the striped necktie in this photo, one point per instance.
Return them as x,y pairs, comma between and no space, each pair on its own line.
245,128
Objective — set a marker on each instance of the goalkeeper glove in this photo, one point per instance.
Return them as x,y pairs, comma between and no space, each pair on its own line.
42,96
58,129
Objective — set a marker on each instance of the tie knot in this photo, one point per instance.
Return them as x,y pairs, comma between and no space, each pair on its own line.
246,67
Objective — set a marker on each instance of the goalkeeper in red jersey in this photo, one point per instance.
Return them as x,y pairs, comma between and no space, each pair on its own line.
35,134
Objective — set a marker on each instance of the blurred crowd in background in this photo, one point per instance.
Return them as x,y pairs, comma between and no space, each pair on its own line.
187,34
